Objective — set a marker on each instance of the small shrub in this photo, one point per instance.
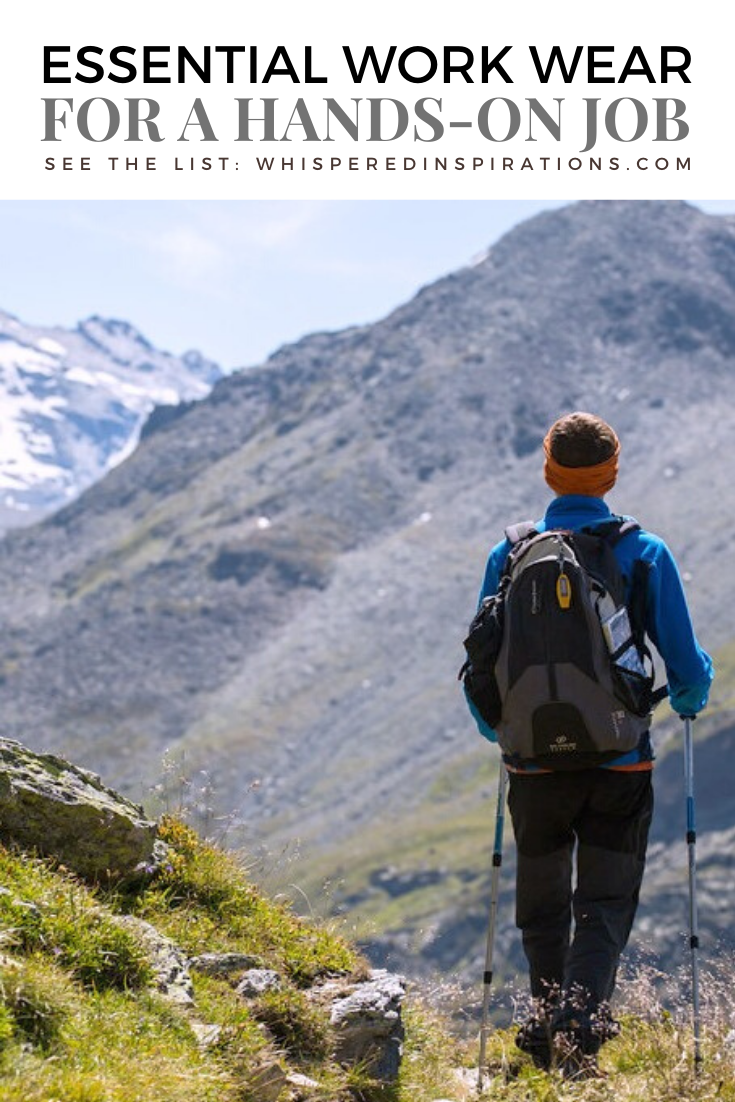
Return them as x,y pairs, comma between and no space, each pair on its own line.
33,1005
102,955
295,1023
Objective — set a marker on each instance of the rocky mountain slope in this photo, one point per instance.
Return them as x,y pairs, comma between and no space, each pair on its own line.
275,585
72,403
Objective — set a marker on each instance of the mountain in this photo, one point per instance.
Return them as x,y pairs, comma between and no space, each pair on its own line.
273,588
72,405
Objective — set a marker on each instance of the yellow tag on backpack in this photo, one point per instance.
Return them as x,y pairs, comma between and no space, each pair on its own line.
564,591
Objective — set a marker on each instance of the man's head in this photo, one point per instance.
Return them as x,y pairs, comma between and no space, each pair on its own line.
581,455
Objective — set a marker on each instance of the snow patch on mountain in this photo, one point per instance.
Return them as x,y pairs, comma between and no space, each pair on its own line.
72,403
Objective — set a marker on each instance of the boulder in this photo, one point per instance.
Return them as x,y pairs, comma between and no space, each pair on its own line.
257,981
366,1017
60,810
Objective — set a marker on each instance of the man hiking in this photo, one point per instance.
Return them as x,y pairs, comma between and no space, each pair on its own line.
564,790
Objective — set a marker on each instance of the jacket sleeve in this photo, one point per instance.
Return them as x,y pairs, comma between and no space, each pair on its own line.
689,668
484,728
493,570
490,583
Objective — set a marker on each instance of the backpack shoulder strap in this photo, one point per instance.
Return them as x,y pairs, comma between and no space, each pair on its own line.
614,529
514,533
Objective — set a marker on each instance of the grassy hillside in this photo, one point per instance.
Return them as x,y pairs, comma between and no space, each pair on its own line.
80,1021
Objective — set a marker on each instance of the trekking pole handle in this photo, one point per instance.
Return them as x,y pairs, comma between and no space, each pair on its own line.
689,778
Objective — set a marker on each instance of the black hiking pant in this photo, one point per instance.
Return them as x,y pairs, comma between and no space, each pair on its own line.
606,814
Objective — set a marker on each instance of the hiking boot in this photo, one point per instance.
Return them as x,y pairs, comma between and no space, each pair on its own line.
580,1067
586,1031
534,1038
573,1062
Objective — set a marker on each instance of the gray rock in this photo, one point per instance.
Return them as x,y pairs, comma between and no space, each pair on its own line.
257,981
267,1081
206,1034
170,966
367,1020
222,965
295,1079
63,811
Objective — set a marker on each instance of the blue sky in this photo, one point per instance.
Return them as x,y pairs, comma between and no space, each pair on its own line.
238,279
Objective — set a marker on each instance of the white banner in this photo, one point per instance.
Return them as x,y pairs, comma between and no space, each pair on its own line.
329,101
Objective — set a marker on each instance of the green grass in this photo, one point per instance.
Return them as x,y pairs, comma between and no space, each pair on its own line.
205,902
649,1062
42,911
79,1021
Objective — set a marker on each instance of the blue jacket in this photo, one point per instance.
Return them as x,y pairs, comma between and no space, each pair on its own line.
689,669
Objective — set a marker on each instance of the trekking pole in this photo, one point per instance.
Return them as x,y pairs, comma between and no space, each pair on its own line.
487,978
693,918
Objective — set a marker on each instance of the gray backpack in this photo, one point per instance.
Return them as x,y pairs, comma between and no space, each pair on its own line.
557,663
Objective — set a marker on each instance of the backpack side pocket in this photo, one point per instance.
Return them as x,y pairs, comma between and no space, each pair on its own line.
478,673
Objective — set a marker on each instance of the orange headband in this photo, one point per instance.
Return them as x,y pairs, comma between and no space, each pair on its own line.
592,481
